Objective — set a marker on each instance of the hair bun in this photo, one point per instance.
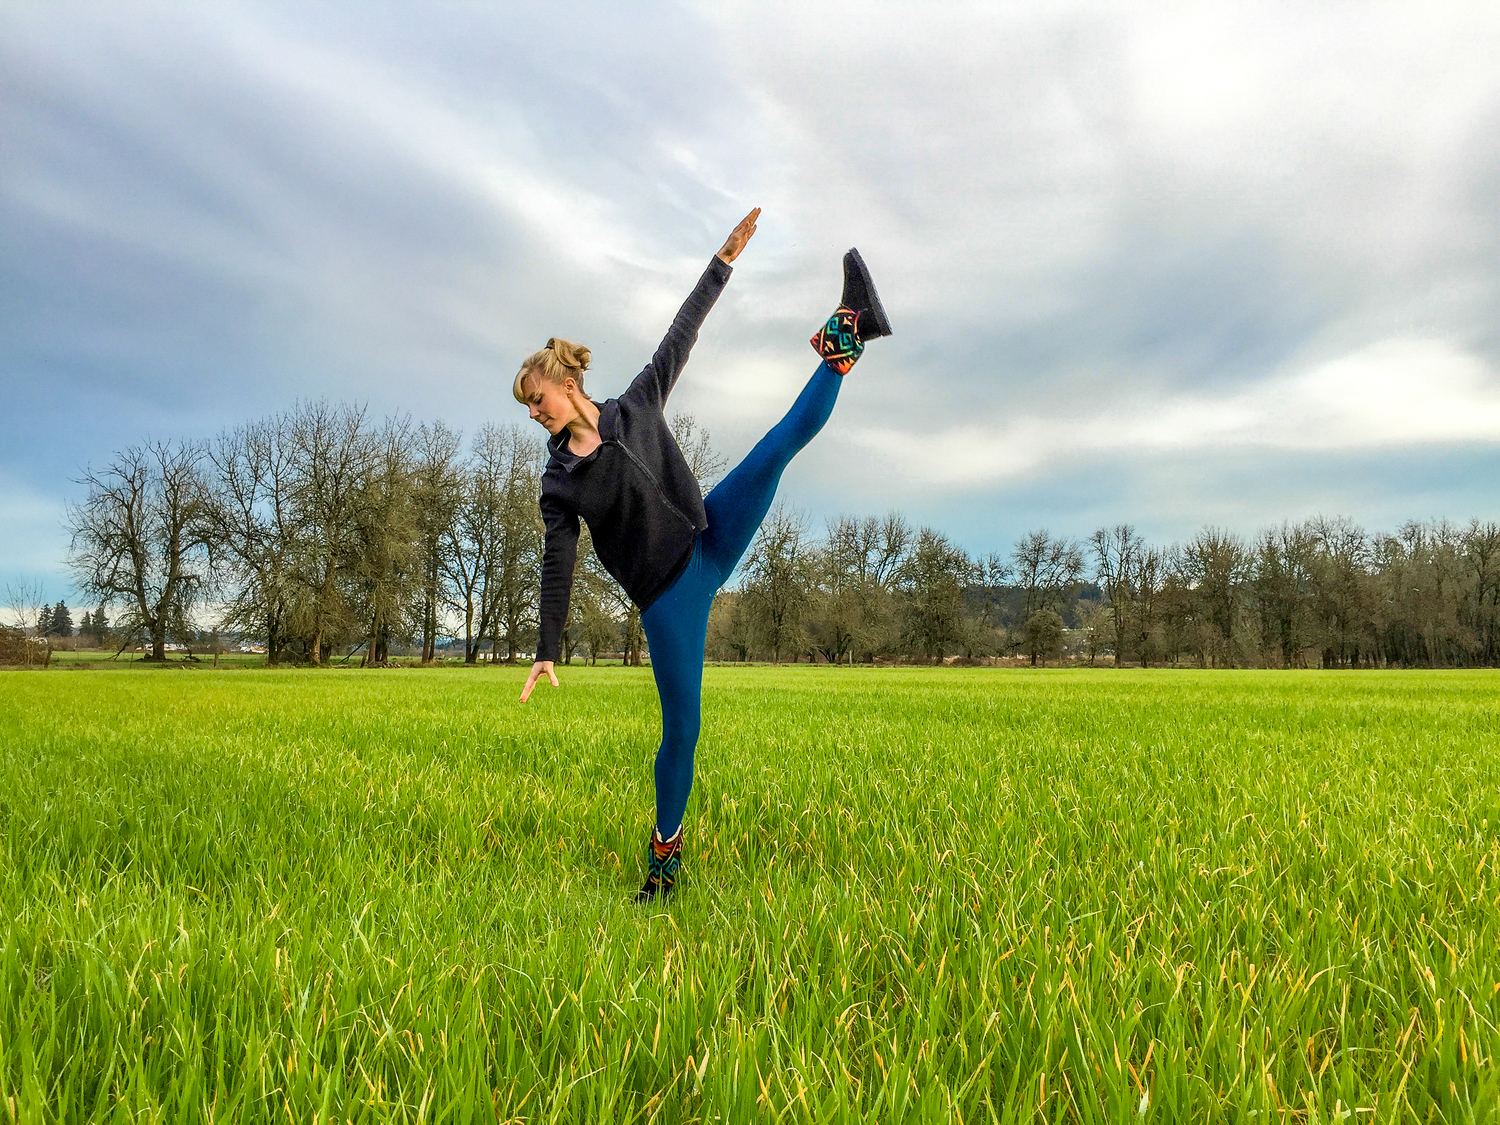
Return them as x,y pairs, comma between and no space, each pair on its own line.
569,354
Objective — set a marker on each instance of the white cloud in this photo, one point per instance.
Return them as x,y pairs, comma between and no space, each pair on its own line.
32,540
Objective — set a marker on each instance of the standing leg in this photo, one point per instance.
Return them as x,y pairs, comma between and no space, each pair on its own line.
741,500
676,627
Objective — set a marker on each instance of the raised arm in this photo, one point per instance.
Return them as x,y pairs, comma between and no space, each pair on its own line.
655,383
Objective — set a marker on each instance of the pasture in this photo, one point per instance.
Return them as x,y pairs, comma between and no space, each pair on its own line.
909,895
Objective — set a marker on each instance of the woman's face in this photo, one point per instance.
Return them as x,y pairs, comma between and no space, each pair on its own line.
550,404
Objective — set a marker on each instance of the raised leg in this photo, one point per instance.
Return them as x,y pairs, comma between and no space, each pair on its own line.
741,500
676,623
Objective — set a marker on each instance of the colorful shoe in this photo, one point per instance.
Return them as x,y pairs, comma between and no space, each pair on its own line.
663,858
859,317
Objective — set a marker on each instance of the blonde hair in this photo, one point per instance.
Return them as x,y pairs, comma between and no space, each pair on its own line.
559,360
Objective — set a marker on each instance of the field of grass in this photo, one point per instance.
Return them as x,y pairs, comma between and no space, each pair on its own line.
910,895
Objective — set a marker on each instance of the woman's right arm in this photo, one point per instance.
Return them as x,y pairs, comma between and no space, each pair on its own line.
559,553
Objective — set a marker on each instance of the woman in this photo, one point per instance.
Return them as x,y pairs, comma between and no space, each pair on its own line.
616,465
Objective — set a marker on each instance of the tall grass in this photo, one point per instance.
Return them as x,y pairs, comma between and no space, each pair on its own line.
917,895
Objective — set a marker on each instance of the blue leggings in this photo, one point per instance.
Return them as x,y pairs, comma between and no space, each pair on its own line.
677,622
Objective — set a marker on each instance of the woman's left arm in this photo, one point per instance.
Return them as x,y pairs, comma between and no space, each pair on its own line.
655,383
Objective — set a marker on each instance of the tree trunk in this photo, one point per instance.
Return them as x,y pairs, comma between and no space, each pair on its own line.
633,638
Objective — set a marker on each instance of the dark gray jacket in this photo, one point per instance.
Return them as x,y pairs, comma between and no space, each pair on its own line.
643,507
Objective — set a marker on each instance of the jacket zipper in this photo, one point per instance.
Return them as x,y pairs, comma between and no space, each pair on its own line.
660,492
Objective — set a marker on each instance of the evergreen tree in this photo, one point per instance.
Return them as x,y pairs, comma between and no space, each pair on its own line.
86,625
100,625
44,622
62,621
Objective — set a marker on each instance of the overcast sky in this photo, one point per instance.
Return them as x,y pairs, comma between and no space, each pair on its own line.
1172,265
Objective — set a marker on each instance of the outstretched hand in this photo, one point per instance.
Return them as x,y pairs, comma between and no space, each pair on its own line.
536,673
738,237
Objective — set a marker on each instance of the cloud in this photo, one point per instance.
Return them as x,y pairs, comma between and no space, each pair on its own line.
32,523
1105,235
1395,394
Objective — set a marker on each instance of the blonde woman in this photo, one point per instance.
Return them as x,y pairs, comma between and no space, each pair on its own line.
615,465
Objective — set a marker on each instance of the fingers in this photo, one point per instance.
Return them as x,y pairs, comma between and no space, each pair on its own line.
536,674
739,236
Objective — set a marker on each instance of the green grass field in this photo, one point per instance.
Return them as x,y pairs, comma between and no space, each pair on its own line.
910,895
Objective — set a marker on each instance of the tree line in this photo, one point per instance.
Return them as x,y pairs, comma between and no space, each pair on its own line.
1320,593
324,532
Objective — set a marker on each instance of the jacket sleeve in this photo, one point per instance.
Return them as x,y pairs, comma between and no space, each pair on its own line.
559,553
654,384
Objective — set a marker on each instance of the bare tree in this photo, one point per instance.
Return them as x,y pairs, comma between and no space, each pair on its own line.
841,617
1044,567
1283,592
491,553
26,603
1117,559
729,630
1145,585
1177,611
140,537
932,583
436,493
706,465
986,633
595,607
469,544
385,558
333,455
1340,560
878,550
1216,564
777,580
253,534
519,545
1043,635
1482,541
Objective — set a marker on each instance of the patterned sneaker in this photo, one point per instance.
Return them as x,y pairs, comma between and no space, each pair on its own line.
859,317
663,858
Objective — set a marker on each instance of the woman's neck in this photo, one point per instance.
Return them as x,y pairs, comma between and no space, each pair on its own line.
583,430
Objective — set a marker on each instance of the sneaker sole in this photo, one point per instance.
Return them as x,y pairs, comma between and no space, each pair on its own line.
880,323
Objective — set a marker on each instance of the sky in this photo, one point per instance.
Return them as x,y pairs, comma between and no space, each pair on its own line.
1173,265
